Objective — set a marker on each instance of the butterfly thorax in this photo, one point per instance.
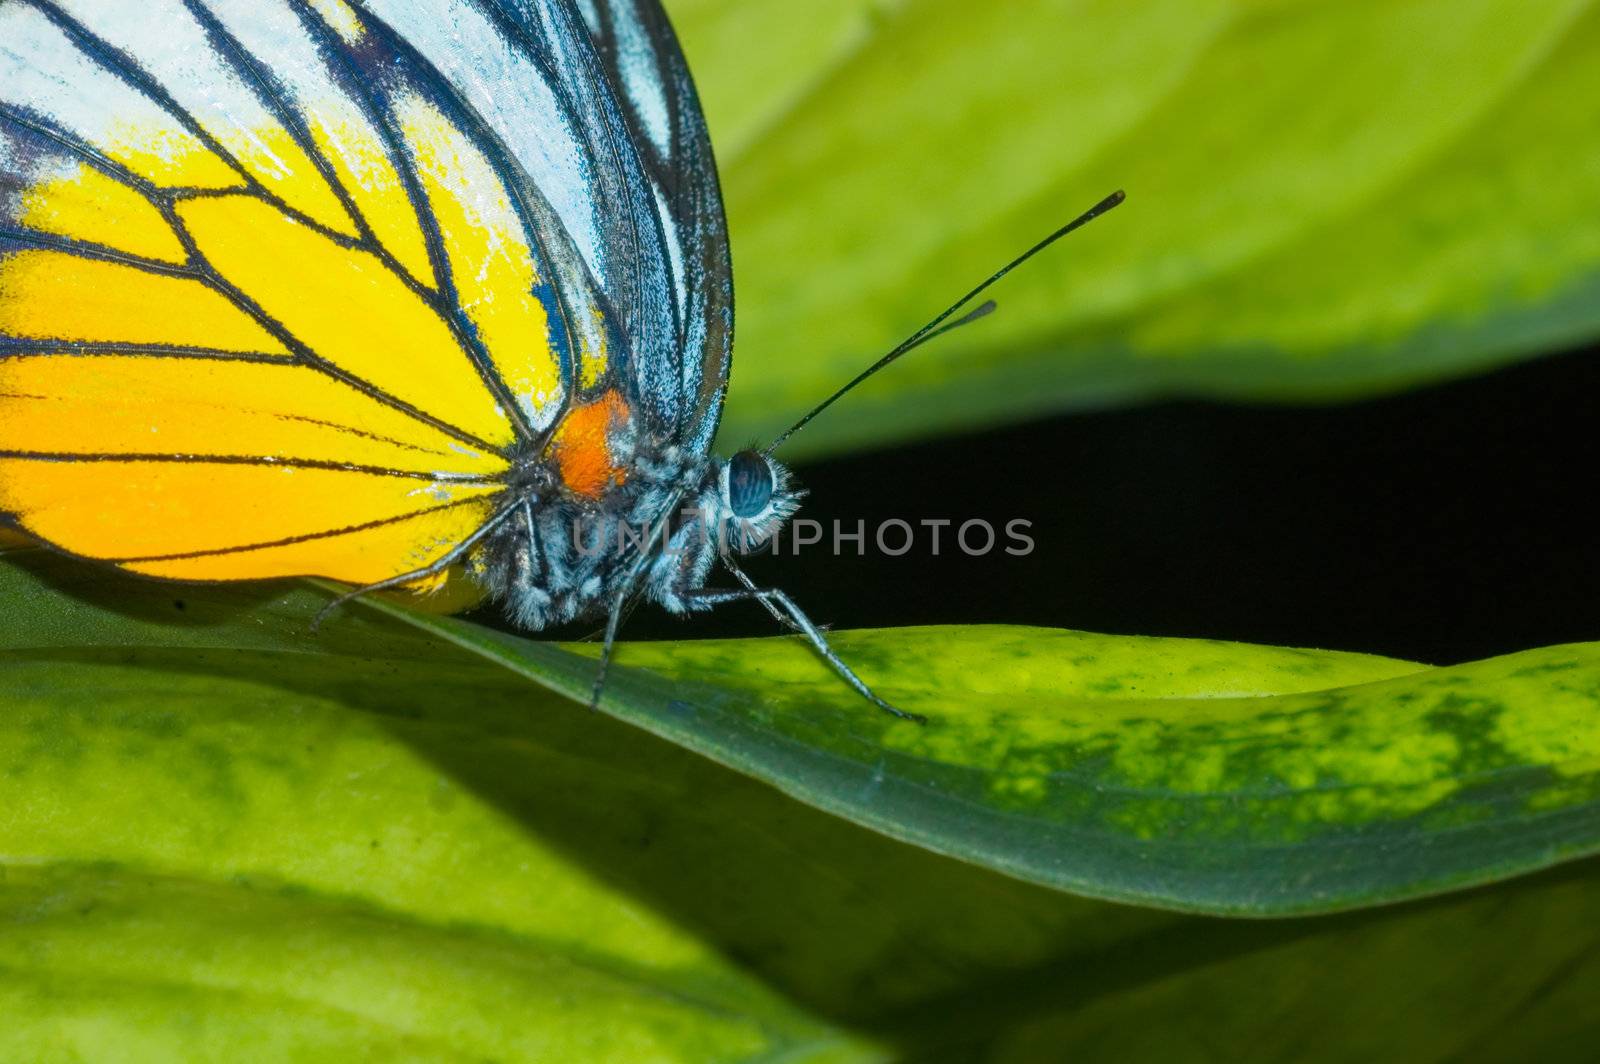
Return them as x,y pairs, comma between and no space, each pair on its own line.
650,518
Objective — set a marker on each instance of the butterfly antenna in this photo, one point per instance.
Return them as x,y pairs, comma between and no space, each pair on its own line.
942,324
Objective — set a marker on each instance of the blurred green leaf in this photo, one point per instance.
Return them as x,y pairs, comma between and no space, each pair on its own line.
1325,199
259,841
219,830
1493,976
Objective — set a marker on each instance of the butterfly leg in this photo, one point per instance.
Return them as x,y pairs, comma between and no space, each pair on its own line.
455,555
750,585
613,623
528,525
619,604
778,602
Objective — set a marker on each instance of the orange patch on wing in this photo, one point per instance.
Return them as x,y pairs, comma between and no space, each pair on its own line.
581,448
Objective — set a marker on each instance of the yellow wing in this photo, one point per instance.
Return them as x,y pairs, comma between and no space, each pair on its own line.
265,308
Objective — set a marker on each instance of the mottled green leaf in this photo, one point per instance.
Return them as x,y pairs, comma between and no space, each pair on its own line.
1325,199
1188,774
1198,775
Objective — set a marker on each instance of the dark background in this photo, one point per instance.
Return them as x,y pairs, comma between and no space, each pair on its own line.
1443,525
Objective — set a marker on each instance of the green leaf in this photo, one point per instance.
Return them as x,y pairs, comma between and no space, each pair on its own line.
1188,774
1494,975
1325,200
217,830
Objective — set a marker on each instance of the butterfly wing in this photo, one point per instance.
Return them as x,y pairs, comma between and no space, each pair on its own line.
274,298
594,102
644,62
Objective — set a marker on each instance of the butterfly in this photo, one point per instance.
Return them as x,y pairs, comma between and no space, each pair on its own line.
375,291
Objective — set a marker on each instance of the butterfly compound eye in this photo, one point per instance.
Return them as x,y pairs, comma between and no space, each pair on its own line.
749,484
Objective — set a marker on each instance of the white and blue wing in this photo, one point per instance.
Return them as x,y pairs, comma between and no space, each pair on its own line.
644,61
594,103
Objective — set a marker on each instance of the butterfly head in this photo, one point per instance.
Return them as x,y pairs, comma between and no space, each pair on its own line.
754,497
